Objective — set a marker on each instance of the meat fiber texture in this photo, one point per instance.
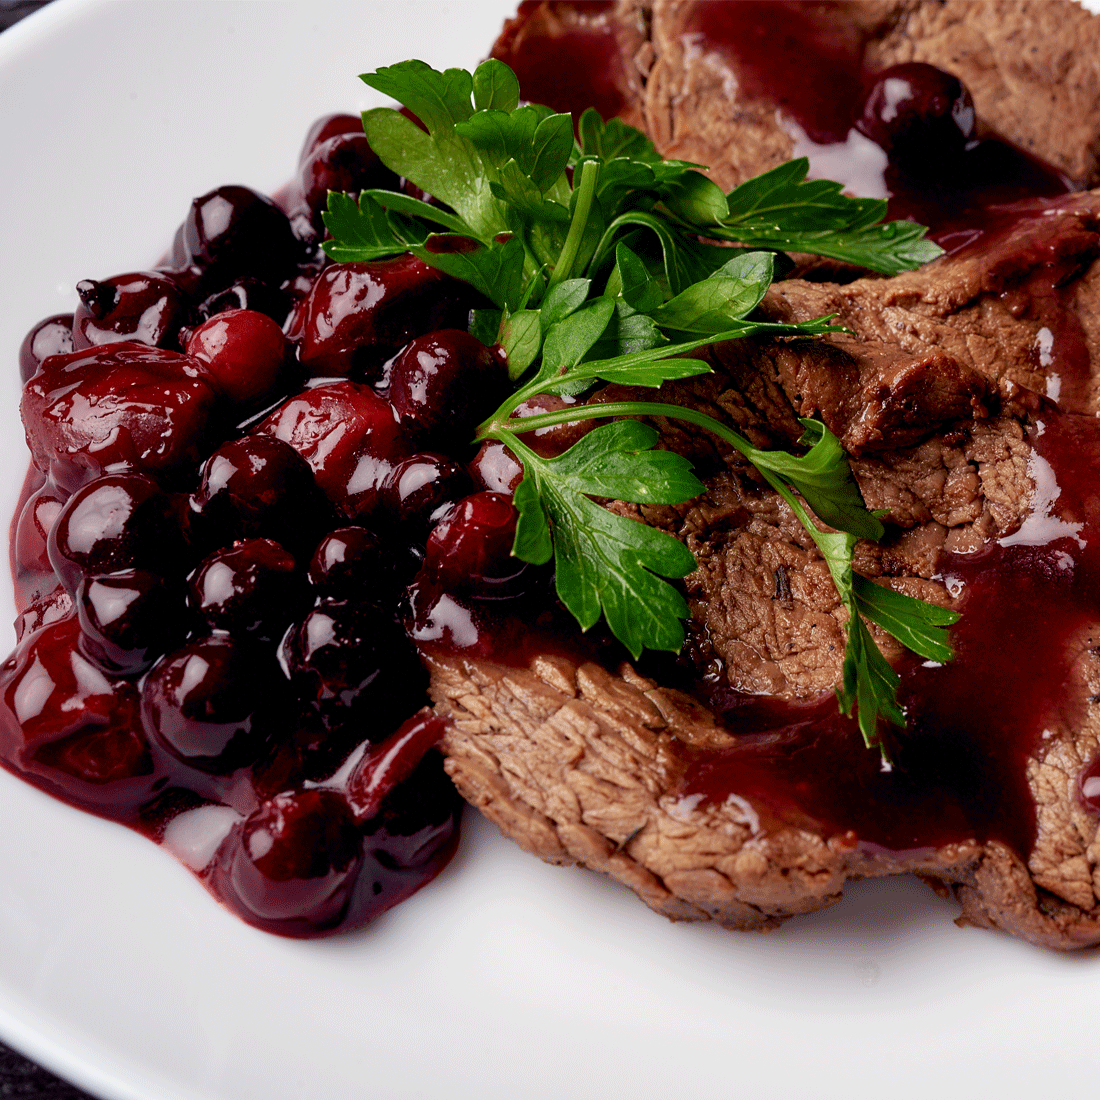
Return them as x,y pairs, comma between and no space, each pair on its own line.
931,394
1032,66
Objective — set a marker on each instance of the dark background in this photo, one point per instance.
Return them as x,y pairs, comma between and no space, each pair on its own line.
20,1079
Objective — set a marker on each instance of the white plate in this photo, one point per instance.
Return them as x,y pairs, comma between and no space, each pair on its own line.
505,978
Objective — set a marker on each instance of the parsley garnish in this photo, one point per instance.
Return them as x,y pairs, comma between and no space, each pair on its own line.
605,262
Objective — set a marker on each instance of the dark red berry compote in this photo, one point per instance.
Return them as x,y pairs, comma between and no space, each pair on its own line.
230,492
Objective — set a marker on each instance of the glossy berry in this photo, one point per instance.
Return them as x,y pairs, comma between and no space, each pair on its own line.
32,529
74,728
496,468
119,406
43,609
444,383
919,114
119,521
417,822
259,487
52,336
358,315
345,659
147,307
471,549
248,293
391,762
326,128
349,564
558,438
421,490
342,162
212,702
129,619
231,233
250,588
244,353
348,435
297,858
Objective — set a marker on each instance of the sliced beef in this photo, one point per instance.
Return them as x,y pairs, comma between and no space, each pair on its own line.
940,390
1026,63
583,763
579,766
1023,310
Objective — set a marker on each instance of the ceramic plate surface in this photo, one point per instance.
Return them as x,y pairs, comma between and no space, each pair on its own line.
505,979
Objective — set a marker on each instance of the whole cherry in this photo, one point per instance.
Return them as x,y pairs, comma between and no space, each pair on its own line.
919,114
147,307
358,315
295,860
244,353
442,384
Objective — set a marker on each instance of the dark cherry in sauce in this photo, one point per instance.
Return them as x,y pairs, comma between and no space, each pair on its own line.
51,336
787,52
147,307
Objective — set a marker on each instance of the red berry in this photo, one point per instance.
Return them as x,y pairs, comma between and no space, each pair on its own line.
232,233
392,762
349,564
359,314
250,588
32,529
244,352
129,619
495,467
297,858
472,547
919,114
53,336
421,490
326,128
342,162
349,437
344,660
120,406
146,307
259,487
70,726
444,383
115,522
211,703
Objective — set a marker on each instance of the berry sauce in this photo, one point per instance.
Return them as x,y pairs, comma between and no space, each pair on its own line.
1030,606
906,134
211,552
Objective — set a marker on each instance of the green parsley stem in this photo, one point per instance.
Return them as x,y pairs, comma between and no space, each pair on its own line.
677,412
522,425
586,192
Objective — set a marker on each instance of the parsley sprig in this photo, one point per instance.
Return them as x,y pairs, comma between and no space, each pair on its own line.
606,263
